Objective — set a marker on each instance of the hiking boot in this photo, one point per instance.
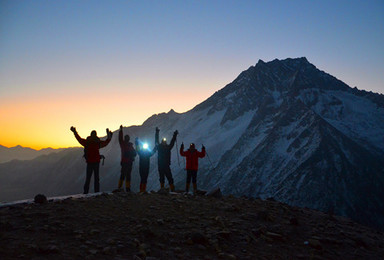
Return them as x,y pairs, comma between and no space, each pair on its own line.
194,188
172,187
120,184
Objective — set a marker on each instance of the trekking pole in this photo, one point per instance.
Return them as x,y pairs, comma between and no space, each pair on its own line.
209,159
177,152
185,165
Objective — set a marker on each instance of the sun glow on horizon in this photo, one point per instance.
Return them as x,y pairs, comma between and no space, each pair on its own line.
44,121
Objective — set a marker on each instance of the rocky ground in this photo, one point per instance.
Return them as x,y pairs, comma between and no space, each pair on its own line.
176,226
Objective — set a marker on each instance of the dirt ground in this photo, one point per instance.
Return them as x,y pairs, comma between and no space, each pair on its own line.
177,226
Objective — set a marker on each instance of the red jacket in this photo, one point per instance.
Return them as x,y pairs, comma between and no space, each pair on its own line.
92,144
192,158
128,152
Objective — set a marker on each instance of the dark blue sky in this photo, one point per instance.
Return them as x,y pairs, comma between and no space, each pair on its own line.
178,53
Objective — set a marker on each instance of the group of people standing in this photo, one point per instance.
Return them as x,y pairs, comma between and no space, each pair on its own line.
92,144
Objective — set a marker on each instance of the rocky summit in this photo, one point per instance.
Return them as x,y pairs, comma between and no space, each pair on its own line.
178,226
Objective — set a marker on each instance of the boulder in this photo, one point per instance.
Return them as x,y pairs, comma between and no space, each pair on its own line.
40,199
216,193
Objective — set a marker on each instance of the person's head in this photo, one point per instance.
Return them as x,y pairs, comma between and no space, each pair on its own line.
126,138
93,133
164,141
192,146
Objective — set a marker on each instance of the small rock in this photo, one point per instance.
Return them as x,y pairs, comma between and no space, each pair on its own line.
94,231
201,247
294,221
315,244
360,241
163,191
264,216
106,250
198,238
40,199
227,256
111,241
146,221
145,248
160,222
274,236
88,242
93,251
224,234
216,193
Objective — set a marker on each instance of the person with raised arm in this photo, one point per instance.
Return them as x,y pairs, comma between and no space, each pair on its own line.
192,164
128,154
164,159
92,145
145,155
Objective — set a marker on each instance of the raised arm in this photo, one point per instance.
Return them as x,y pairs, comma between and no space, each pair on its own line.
106,142
121,135
173,139
157,136
153,151
182,153
202,153
137,146
79,139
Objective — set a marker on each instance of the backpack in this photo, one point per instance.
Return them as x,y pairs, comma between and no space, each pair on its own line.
129,153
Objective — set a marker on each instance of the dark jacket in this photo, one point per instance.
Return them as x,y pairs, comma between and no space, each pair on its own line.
144,156
92,145
128,152
164,151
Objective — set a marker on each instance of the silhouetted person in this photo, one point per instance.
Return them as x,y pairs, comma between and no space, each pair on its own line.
91,153
192,165
144,154
128,155
164,159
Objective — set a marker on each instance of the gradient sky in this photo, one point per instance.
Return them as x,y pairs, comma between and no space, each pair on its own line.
97,64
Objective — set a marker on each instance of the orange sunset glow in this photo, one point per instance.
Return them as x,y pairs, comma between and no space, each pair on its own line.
44,121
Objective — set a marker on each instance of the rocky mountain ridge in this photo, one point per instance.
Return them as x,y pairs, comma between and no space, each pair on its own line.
23,153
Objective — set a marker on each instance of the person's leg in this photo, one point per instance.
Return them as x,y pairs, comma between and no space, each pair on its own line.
161,177
188,183
122,176
145,178
194,177
87,178
168,174
97,177
141,178
128,170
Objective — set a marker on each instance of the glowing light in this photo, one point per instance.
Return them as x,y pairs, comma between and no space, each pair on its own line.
164,139
145,146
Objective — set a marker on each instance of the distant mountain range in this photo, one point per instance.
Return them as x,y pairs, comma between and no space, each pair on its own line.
281,129
22,153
